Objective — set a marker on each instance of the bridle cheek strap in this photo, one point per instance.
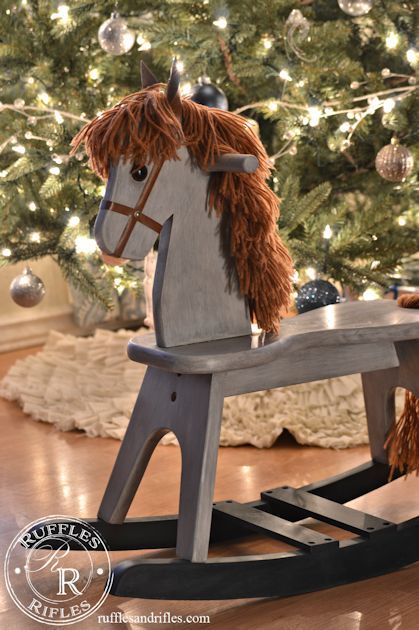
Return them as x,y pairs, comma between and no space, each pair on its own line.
136,214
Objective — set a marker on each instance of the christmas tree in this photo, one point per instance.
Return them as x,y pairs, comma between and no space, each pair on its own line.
328,86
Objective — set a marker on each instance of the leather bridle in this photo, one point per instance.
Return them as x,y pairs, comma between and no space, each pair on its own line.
136,214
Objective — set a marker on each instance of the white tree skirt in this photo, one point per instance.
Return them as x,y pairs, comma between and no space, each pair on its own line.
91,385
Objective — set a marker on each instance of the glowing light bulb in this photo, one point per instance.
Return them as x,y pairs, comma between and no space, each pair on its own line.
94,74
392,40
412,56
35,237
44,97
344,127
329,111
373,104
58,118
32,206
186,88
327,232
145,45
180,65
371,294
267,43
402,221
19,148
285,75
54,170
388,105
311,273
6,252
273,106
62,13
314,116
73,221
85,245
220,22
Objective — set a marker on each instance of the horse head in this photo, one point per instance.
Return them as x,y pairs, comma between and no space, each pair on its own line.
197,177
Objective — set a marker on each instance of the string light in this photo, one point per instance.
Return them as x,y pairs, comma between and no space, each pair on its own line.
344,127
143,43
85,245
284,75
314,116
273,106
32,206
392,40
267,42
54,170
6,252
388,105
62,13
186,88
371,294
327,232
58,118
94,74
412,56
220,22
35,237
311,273
73,221
44,97
19,148
180,65
402,221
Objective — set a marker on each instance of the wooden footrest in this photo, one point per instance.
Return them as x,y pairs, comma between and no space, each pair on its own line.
307,504
274,526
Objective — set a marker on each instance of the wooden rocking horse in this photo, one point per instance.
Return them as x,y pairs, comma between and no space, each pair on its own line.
196,177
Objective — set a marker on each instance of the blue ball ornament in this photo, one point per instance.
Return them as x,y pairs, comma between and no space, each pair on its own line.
316,294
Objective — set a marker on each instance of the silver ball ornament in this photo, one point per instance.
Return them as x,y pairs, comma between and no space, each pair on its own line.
27,289
355,8
115,37
394,162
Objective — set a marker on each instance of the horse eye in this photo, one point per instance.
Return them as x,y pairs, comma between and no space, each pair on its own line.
139,174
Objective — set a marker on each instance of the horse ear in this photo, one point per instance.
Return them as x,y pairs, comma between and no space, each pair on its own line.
172,91
147,77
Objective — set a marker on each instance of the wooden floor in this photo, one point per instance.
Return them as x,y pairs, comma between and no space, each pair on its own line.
45,472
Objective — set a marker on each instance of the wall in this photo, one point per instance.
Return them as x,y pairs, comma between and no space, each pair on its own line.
24,327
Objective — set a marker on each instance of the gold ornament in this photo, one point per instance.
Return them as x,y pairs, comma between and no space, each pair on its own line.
394,162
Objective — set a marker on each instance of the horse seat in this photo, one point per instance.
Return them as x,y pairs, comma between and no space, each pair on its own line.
334,325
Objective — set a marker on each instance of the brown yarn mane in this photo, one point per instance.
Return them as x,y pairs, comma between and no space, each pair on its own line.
144,128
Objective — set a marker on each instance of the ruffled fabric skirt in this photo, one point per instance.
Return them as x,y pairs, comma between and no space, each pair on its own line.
89,384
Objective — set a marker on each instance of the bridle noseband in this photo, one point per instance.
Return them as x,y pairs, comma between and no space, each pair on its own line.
136,214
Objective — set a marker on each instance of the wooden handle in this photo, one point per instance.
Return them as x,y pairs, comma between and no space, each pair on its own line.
234,163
